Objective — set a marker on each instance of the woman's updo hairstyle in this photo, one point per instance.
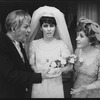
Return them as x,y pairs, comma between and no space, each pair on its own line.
90,28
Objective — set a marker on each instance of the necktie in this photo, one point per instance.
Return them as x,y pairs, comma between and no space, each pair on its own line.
23,52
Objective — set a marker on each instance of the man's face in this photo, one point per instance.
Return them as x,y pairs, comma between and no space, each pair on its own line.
22,33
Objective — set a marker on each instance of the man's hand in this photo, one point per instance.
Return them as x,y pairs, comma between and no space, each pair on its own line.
46,75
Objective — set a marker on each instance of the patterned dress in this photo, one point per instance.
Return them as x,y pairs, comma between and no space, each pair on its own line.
87,74
41,54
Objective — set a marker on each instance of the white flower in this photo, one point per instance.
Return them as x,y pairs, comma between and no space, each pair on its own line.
71,60
53,64
63,61
81,59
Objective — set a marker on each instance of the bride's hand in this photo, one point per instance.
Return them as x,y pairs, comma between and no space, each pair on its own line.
46,75
54,71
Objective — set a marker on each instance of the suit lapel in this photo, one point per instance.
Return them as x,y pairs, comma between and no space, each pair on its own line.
13,49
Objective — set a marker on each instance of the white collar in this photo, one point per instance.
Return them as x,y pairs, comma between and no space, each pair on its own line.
14,41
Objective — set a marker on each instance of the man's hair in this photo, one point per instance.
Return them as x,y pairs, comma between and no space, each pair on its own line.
15,19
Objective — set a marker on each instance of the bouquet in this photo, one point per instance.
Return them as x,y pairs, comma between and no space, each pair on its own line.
62,62
71,59
56,65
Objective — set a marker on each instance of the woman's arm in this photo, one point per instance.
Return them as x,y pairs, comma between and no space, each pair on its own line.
94,85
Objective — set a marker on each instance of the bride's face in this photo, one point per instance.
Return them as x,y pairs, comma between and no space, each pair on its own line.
48,30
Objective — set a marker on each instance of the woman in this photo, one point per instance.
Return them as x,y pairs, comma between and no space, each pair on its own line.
49,23
87,83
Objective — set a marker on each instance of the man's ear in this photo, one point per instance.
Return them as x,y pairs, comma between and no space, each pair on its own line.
12,29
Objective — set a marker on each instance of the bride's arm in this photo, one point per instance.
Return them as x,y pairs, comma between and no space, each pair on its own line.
65,53
32,57
32,63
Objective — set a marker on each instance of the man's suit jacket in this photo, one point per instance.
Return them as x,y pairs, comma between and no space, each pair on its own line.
15,75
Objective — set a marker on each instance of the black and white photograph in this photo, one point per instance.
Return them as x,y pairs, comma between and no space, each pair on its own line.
49,49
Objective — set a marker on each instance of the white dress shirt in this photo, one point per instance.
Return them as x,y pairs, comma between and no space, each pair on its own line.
19,49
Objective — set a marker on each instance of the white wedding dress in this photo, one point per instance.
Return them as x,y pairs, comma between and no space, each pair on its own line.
41,54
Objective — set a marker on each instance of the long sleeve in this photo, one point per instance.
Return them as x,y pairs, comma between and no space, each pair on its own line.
64,50
96,84
16,75
32,56
12,67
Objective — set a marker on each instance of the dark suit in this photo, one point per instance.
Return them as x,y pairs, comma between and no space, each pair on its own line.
15,75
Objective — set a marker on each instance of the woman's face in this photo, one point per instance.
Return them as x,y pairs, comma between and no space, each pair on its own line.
82,40
48,30
22,32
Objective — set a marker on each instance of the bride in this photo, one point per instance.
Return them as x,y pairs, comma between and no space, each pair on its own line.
49,24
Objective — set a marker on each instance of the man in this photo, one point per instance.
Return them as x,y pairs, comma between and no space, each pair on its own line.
16,74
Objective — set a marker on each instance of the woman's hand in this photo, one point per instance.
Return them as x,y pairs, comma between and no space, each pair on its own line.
76,91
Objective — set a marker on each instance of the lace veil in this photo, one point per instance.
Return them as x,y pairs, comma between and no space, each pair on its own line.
61,30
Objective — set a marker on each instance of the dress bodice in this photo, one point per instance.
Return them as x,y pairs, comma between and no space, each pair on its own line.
42,53
45,52
92,68
87,74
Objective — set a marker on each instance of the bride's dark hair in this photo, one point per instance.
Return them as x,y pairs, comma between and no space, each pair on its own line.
46,19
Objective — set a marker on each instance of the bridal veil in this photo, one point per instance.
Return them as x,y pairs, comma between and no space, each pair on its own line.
61,30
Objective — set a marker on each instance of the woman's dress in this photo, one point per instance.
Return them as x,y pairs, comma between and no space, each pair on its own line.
87,74
41,54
